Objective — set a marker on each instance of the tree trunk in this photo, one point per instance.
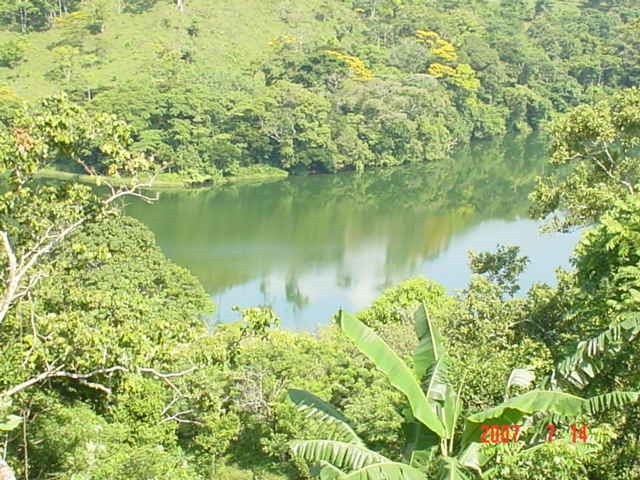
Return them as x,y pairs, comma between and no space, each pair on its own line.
5,471
180,5
23,22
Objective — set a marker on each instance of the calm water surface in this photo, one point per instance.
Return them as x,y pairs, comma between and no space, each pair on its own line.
309,245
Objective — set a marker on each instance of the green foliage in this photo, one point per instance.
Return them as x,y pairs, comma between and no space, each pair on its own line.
323,86
503,267
599,324
435,410
592,320
583,363
93,313
12,53
126,379
595,143
400,376
8,421
80,443
560,459
390,307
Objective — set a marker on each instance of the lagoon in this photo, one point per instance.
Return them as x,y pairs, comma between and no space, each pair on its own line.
309,245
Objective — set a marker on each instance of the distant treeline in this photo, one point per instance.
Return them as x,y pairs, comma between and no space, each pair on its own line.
356,84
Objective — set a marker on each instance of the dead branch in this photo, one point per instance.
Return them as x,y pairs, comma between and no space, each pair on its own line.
84,378
57,372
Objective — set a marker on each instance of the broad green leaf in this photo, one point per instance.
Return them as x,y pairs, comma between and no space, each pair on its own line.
451,410
315,407
441,395
607,401
472,457
520,377
10,423
431,357
515,409
421,321
398,373
339,454
326,471
579,367
450,469
421,443
430,345
386,471
437,386
558,403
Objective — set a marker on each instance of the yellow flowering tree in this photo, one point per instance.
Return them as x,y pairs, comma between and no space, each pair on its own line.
460,74
357,67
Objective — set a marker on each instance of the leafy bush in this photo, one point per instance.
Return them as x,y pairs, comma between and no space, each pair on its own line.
12,53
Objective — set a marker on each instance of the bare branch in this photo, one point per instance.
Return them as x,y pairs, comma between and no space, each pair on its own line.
626,184
83,378
19,269
57,372
176,417
610,157
12,279
26,384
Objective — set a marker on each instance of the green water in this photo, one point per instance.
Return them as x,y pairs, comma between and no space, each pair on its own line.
310,245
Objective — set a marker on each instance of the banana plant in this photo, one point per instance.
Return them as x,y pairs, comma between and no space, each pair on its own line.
583,364
435,406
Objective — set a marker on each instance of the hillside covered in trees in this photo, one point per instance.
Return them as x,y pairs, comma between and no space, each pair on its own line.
108,369
213,87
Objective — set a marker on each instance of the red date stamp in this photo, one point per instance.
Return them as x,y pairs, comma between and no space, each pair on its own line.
509,433
499,433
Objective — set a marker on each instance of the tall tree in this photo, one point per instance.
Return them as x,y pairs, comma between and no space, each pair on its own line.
36,218
594,161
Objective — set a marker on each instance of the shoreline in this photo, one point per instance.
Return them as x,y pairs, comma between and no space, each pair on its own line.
166,182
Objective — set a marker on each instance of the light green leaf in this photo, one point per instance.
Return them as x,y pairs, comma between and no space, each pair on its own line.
450,469
386,471
398,373
421,443
315,407
520,377
430,345
472,457
11,423
515,409
607,401
579,367
326,471
339,454
557,403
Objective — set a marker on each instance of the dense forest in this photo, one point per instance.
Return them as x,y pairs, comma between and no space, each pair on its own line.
107,369
213,88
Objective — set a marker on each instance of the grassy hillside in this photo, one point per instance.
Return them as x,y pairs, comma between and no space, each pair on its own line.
320,85
231,37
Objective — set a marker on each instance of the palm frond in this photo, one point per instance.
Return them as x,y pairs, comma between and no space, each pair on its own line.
397,372
325,471
581,366
607,401
386,471
430,346
338,426
341,455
